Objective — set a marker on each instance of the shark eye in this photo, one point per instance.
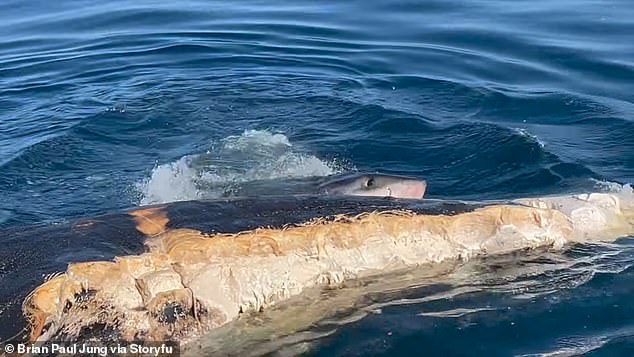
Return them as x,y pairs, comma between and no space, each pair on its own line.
369,182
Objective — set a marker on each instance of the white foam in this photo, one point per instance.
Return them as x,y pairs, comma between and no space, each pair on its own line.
257,138
612,187
531,137
580,345
169,182
234,161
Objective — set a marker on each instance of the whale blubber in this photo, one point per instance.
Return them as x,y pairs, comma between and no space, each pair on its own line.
150,221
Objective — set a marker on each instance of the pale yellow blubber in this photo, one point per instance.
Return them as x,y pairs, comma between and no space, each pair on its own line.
188,282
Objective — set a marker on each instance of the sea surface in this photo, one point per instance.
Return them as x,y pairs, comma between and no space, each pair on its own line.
110,105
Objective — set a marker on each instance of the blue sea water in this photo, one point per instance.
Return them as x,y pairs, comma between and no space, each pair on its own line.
110,105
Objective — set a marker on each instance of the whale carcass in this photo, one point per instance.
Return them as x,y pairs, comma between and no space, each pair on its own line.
195,275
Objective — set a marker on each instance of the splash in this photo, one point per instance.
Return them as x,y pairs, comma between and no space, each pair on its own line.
233,162
529,136
170,182
612,187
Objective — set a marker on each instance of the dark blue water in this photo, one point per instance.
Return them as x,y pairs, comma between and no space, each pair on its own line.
108,105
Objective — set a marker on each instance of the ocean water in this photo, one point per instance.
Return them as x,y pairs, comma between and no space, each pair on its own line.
111,105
